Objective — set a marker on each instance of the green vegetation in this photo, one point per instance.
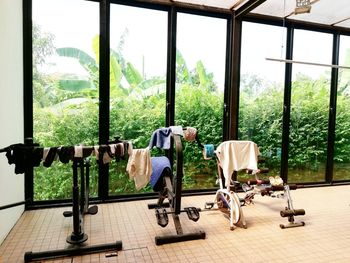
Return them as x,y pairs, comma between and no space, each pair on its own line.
66,113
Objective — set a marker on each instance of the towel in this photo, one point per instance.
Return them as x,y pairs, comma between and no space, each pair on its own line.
237,155
159,165
160,138
177,130
208,151
78,151
139,167
66,153
190,134
50,156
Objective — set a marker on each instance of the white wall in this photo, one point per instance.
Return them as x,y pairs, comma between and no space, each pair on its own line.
11,109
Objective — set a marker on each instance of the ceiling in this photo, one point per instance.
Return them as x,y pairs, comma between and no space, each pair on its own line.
325,12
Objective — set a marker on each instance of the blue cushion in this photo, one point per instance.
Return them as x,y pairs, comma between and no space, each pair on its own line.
160,165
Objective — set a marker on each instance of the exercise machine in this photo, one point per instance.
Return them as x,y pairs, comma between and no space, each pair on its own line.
227,201
22,156
169,186
267,188
243,155
79,210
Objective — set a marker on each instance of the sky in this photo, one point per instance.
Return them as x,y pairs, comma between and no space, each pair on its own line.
74,23
199,38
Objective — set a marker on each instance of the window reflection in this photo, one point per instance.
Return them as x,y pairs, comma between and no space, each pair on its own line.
342,131
138,58
261,91
200,76
309,107
65,87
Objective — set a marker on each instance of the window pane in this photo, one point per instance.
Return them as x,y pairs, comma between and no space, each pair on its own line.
342,130
138,77
200,77
65,87
309,107
261,91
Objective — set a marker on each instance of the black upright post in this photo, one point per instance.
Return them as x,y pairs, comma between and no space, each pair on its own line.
78,236
177,181
82,187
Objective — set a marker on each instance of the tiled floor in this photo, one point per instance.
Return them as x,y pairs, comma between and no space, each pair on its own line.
324,238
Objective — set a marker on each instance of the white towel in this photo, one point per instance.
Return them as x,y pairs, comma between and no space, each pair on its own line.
78,151
237,155
45,152
177,130
95,152
112,147
130,148
139,167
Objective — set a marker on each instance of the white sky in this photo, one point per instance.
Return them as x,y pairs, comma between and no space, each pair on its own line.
146,41
74,24
262,41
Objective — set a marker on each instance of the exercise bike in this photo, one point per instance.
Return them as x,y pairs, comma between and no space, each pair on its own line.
169,186
274,187
79,210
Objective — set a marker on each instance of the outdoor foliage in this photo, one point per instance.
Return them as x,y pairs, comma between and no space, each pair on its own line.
66,113
260,118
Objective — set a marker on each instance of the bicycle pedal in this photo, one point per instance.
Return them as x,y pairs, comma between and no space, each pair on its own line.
162,217
92,210
247,187
67,213
209,205
192,213
242,201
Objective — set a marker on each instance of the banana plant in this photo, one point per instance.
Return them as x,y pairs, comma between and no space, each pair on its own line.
119,70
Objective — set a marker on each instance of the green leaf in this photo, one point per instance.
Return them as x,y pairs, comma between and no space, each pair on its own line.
115,73
203,78
96,48
84,59
132,75
74,84
183,74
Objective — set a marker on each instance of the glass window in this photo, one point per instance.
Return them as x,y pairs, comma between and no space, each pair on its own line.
200,80
309,107
261,91
138,64
342,130
65,87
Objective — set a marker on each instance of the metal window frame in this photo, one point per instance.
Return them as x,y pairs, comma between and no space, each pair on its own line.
104,6
336,32
232,78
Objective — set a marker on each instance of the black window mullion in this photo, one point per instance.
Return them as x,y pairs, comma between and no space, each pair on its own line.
332,109
103,182
235,71
28,91
287,104
171,68
229,40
